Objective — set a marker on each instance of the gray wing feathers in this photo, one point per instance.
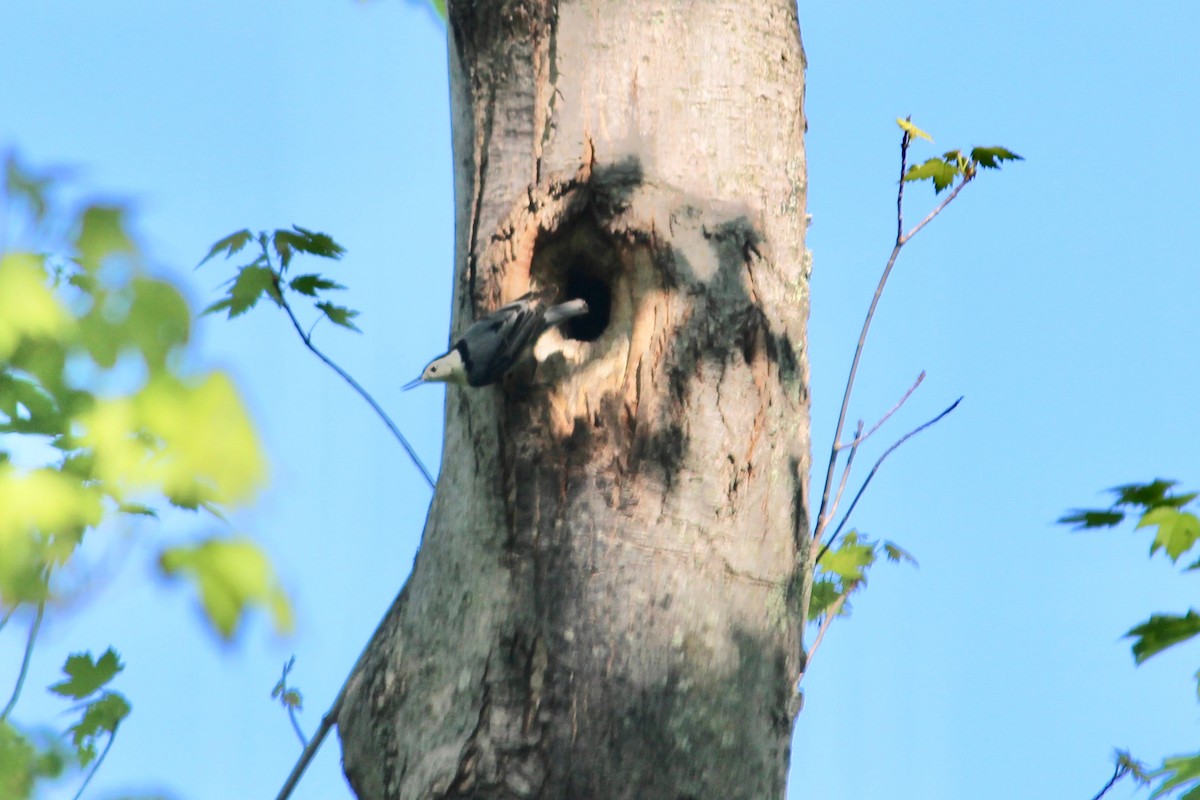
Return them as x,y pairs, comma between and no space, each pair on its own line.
495,343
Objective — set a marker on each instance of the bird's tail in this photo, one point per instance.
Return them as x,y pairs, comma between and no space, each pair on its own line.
565,311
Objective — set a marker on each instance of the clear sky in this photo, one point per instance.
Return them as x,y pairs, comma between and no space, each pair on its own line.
1059,296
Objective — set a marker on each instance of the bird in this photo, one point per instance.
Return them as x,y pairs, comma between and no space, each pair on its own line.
492,346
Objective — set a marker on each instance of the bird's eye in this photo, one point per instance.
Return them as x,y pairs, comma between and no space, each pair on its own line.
433,370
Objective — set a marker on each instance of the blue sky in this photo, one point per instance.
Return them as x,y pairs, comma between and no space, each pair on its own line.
1059,296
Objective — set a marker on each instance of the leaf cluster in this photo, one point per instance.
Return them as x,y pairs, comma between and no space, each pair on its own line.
267,276
1176,532
953,165
102,709
843,570
1156,505
100,423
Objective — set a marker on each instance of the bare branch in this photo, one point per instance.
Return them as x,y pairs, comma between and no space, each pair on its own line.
837,498
1119,771
905,141
875,469
833,610
859,438
314,744
96,766
327,722
823,514
891,411
929,217
307,339
21,675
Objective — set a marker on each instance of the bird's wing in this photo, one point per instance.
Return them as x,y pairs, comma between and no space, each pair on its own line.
522,326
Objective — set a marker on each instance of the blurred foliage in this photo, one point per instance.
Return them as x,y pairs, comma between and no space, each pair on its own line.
100,421
1155,505
842,571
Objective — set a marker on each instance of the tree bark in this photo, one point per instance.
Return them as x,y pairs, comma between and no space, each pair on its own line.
609,596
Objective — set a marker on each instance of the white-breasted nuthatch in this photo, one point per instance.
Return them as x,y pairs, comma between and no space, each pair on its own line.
495,344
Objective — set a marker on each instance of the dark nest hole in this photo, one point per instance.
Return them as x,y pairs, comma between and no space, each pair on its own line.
599,299
582,262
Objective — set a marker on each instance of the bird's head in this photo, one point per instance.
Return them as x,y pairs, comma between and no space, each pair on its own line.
448,368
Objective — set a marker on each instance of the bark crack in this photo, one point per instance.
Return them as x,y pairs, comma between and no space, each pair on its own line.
485,111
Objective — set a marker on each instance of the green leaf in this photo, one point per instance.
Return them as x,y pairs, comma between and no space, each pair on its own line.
28,407
301,240
1146,495
137,509
992,157
19,182
86,676
339,315
158,322
897,554
938,170
1178,771
251,282
912,130
957,159
100,717
1177,530
220,305
318,244
189,440
1085,518
230,244
1162,631
825,593
28,307
25,759
311,284
231,575
103,235
850,560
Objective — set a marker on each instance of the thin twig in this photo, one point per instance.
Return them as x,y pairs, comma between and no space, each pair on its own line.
310,750
929,217
285,697
833,610
875,469
837,498
95,767
296,727
327,722
307,339
33,632
905,141
8,615
314,744
823,512
891,411
1118,772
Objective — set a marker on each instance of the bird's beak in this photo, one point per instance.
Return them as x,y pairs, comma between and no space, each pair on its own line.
412,384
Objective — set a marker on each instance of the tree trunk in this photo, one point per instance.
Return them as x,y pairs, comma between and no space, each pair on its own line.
609,596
